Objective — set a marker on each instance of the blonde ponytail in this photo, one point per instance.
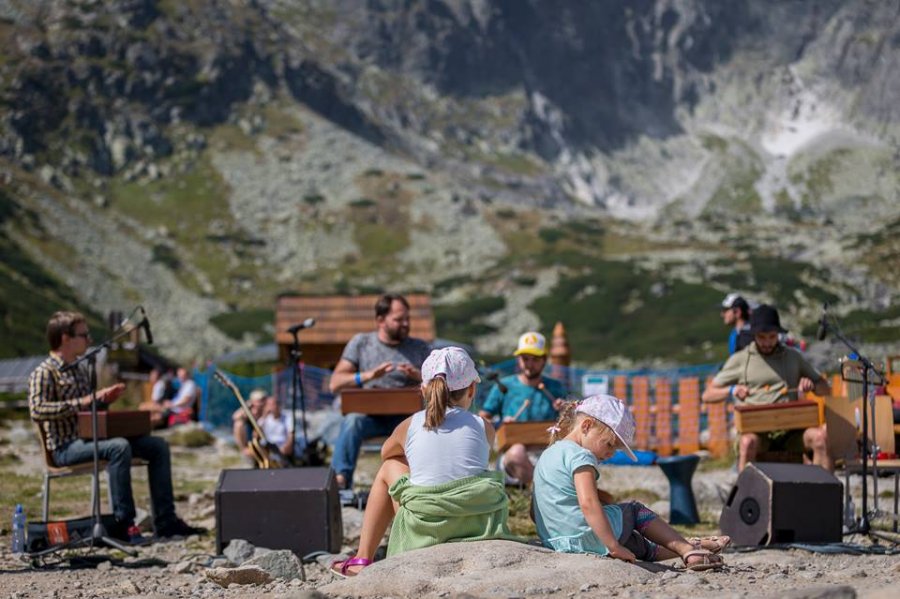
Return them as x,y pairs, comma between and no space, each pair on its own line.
438,398
565,423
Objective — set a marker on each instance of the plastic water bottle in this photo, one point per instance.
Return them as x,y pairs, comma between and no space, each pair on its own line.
18,529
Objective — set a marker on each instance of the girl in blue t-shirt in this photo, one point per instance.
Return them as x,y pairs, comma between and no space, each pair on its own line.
574,516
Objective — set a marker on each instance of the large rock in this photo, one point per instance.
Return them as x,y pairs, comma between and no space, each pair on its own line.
238,551
486,569
243,575
281,564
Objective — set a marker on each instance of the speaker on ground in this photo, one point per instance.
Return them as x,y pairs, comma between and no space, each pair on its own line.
783,503
284,508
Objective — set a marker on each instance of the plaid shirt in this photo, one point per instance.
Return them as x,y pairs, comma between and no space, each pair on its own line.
54,400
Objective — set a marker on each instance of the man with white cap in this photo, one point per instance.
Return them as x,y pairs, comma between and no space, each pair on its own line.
525,396
736,314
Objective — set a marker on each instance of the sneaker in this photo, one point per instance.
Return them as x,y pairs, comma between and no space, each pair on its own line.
135,537
179,528
126,533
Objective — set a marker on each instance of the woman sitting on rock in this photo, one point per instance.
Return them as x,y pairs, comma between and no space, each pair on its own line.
434,480
573,516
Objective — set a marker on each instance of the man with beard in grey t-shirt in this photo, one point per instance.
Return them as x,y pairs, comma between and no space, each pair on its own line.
386,358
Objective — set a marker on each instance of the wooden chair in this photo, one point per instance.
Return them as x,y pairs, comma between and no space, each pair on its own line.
52,470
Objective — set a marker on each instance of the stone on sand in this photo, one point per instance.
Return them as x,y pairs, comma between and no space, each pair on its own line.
485,569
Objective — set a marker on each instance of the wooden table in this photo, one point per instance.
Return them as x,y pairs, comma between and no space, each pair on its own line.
776,417
382,402
115,423
534,434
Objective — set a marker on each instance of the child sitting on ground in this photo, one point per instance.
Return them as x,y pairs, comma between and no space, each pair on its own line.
434,480
569,509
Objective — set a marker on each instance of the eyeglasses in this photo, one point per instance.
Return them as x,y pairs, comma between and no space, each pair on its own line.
82,335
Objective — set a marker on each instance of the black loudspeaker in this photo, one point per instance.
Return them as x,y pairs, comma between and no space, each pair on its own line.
283,508
783,503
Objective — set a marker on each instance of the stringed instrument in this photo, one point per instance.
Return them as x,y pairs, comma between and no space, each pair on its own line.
260,447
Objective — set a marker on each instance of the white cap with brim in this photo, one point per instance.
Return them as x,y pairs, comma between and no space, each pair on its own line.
452,363
612,412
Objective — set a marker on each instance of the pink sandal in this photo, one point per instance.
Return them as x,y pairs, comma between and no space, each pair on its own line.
714,544
347,563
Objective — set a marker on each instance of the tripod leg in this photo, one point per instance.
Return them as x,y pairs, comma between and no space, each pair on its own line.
896,499
46,502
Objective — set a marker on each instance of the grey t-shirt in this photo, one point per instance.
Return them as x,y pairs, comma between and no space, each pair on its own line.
366,352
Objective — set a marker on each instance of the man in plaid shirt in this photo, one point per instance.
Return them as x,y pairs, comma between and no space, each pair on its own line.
55,398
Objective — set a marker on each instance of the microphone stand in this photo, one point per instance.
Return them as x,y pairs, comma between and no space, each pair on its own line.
863,525
98,531
297,389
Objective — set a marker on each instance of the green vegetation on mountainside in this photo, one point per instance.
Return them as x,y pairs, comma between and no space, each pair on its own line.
615,308
28,293
244,322
463,321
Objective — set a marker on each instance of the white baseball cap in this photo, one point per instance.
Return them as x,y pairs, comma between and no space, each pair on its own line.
533,344
612,412
452,363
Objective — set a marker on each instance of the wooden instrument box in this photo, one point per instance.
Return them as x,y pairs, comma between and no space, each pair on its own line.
534,434
118,423
382,402
776,417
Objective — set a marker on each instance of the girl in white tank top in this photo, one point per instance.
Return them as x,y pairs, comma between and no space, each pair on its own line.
442,443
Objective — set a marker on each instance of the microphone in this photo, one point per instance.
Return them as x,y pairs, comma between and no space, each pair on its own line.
493,376
145,324
822,331
306,324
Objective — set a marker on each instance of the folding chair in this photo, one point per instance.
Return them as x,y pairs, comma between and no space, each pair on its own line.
52,470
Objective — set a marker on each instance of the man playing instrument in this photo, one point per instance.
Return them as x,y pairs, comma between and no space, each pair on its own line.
386,358
528,396
54,400
768,372
241,428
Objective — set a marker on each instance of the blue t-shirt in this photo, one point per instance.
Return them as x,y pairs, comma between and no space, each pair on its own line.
508,404
561,524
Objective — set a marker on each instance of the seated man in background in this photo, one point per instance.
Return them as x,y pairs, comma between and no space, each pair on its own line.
278,427
241,427
54,400
526,396
387,358
768,372
181,408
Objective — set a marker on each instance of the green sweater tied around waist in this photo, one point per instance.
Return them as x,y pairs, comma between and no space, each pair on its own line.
474,508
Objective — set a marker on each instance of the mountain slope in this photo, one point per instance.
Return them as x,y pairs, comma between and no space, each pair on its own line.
618,166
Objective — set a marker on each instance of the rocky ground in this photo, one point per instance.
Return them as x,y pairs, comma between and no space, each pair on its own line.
190,568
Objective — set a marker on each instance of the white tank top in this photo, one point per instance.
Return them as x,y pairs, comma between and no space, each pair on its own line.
456,449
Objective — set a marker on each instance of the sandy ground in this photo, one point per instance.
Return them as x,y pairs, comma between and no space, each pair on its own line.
176,568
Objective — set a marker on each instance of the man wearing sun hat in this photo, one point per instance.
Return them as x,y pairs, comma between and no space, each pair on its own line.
768,372
525,396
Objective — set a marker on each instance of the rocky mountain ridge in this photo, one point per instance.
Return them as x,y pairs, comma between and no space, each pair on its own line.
523,161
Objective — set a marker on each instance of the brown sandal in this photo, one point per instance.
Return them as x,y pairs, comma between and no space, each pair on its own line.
710,560
713,544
